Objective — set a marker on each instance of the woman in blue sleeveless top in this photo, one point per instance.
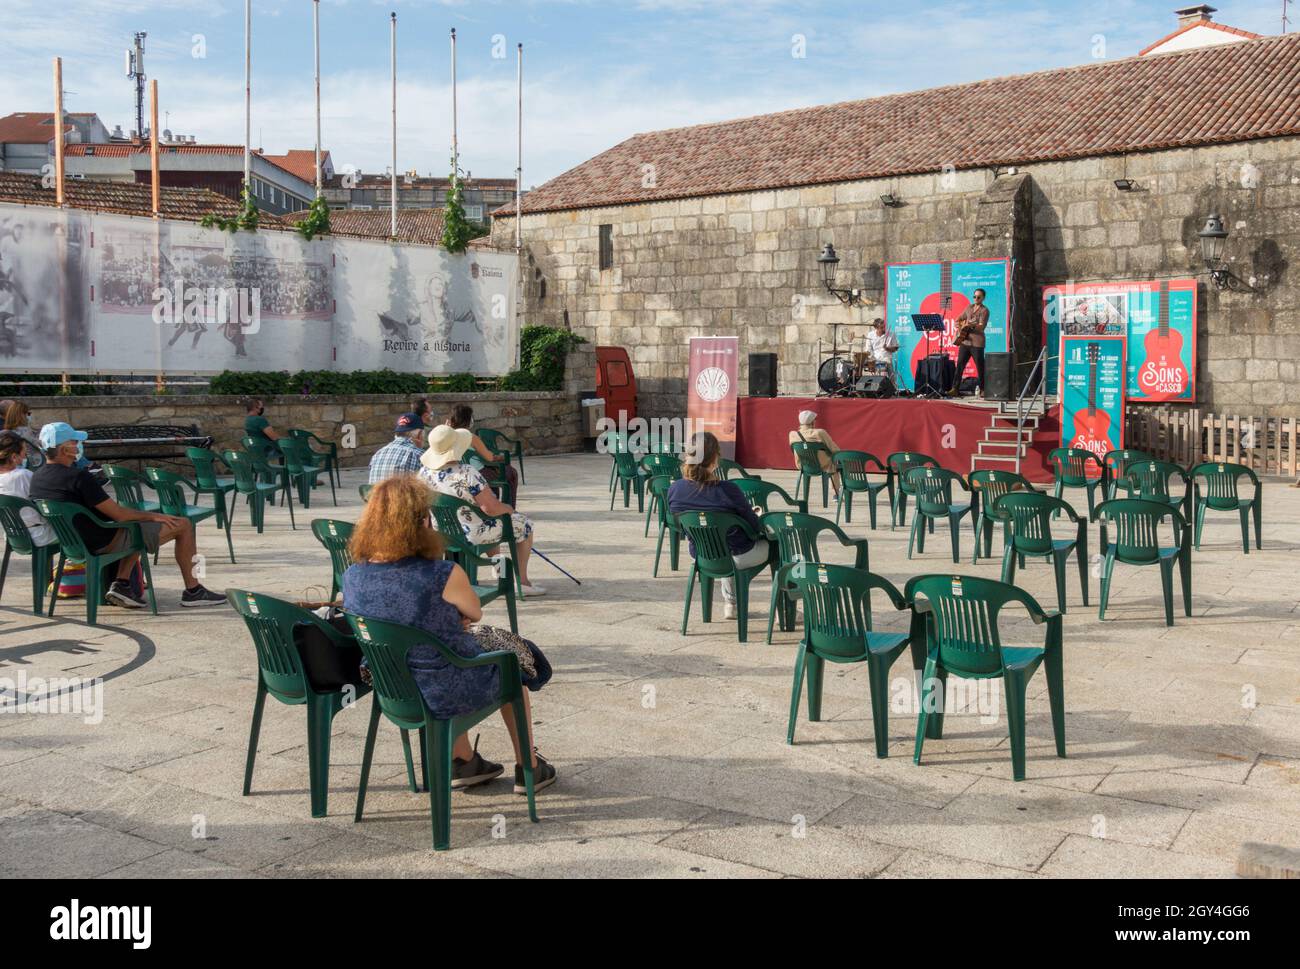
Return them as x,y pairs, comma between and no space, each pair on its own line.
401,577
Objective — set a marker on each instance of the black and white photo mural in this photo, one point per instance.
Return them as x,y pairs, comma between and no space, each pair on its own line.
44,318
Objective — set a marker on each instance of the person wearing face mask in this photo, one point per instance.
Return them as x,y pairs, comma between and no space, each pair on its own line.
257,426
59,479
17,418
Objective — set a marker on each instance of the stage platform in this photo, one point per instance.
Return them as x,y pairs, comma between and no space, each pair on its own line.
956,433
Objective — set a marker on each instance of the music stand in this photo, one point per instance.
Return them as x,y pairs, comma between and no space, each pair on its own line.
929,323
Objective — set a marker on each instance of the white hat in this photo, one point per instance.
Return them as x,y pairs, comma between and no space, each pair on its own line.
446,446
807,417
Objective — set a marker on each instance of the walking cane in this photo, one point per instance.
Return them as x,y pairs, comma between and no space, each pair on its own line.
539,552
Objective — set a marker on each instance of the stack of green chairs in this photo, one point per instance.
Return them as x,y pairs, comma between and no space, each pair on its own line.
1153,480
1137,542
249,483
1070,468
987,487
62,517
857,469
900,463
19,539
759,492
171,496
795,536
837,629
807,461
329,458
385,646
963,639
707,532
1216,487
1029,516
933,490
446,516
271,623
507,447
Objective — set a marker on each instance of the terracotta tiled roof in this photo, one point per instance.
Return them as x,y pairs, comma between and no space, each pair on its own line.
301,162
125,198
1235,31
413,225
28,127
1210,95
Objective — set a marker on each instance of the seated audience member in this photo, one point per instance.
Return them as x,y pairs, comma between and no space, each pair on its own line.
400,576
809,434
462,416
257,426
445,471
58,479
17,418
701,489
402,454
16,481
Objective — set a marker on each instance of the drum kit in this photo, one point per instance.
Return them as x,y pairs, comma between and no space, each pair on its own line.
853,373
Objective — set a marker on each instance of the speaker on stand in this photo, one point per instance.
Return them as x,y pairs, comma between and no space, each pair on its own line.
997,376
762,375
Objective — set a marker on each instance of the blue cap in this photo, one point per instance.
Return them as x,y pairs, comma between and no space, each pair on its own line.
52,435
409,422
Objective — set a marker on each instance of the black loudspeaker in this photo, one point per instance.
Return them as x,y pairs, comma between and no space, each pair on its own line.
762,375
875,385
997,376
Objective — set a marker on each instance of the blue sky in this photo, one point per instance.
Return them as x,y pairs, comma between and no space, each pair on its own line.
595,72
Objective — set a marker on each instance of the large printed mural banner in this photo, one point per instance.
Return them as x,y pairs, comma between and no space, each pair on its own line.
1158,320
944,288
114,294
1092,393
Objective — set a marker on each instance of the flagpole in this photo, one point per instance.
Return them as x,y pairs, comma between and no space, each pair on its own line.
248,96
455,150
315,20
519,166
156,188
392,186
58,131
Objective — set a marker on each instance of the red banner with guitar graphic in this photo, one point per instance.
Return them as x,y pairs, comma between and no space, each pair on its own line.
711,389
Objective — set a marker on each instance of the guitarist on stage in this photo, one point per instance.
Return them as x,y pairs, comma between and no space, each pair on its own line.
970,337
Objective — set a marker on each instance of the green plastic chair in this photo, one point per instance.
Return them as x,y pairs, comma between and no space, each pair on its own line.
128,488
170,488
728,467
837,629
613,443
1028,515
249,483
502,587
659,486
933,490
901,462
795,537
271,623
364,491
302,472
1153,480
446,516
1137,526
328,458
668,465
494,473
986,488
963,638
62,517
334,535
1220,493
385,646
807,461
856,477
208,482
629,474
19,539
758,493
1116,465
1070,470
501,444
707,532
268,460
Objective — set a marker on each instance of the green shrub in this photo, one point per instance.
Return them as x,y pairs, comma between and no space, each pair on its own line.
250,384
542,352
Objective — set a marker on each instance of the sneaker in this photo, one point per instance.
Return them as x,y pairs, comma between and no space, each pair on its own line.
119,594
199,596
543,776
728,610
533,591
477,770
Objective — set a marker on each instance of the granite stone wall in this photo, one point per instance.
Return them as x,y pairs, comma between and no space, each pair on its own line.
745,264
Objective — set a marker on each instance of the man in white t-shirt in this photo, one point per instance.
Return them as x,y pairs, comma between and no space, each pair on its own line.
881,345
16,480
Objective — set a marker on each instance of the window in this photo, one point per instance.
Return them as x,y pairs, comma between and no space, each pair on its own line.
606,247
541,290
616,373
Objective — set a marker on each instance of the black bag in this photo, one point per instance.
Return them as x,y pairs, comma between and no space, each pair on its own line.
328,666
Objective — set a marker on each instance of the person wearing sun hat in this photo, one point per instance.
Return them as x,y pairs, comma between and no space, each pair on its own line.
445,469
807,433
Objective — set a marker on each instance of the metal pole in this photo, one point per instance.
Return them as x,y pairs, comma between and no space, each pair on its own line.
392,184
248,96
315,21
58,130
519,166
156,190
455,150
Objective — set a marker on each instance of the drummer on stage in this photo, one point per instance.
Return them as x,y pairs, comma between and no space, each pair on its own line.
881,345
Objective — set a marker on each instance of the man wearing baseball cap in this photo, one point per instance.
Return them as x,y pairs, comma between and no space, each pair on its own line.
59,479
402,454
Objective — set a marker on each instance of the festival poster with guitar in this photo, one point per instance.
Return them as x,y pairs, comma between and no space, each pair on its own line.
1157,318
944,288
1092,393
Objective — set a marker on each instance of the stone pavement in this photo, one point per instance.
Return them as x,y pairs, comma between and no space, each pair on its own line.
1183,743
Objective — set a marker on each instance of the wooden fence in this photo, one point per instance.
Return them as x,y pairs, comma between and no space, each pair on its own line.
1188,436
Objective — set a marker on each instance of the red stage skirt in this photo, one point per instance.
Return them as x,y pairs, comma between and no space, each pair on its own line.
949,432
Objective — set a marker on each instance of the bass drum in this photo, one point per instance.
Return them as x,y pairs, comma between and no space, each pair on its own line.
835,375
